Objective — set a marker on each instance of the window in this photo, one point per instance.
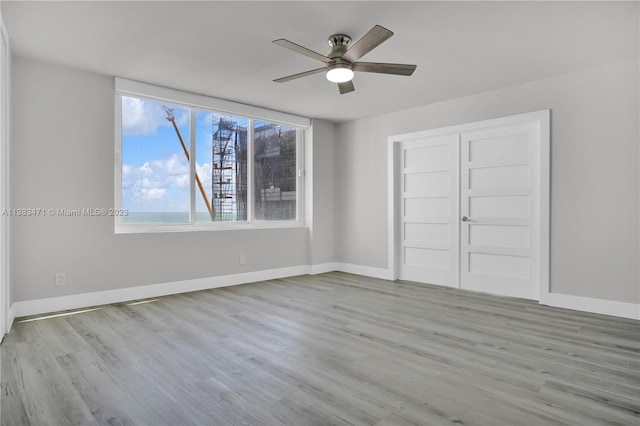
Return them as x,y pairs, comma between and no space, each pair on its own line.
274,168
221,161
184,162
155,170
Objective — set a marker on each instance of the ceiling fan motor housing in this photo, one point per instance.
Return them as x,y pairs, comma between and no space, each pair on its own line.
339,70
339,44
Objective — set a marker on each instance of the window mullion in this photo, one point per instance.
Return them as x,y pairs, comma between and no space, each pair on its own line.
118,156
300,174
250,182
192,166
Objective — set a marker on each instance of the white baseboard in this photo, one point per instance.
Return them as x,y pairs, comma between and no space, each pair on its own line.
84,300
8,324
589,304
77,301
367,271
11,316
350,268
322,268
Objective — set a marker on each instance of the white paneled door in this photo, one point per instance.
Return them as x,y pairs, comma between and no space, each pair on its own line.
469,209
429,228
498,221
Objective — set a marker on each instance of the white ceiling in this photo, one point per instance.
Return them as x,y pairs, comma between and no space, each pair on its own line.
224,49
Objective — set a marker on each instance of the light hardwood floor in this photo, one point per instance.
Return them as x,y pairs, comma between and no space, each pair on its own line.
318,350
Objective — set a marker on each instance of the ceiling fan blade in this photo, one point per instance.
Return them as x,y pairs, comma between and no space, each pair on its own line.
383,68
300,49
368,42
302,74
346,87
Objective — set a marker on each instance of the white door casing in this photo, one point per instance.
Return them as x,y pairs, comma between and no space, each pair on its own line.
499,185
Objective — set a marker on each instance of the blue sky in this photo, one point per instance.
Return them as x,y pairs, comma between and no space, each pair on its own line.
155,171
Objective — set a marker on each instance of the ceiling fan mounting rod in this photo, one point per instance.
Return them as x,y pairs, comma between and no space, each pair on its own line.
339,40
339,44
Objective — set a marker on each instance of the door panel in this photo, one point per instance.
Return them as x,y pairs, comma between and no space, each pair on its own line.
499,177
429,216
485,206
438,232
428,183
500,149
499,235
497,208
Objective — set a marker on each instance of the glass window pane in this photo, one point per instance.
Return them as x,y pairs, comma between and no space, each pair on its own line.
155,169
221,166
275,171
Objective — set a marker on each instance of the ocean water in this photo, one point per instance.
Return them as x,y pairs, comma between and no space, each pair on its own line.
164,217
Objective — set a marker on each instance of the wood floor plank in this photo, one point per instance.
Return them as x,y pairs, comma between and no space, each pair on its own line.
328,349
52,399
101,393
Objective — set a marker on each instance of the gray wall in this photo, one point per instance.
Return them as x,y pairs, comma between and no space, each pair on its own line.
594,177
323,204
63,157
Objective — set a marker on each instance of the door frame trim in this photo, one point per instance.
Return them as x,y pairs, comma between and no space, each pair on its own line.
543,120
6,316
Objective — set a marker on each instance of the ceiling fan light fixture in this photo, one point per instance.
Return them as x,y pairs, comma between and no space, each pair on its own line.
339,73
343,60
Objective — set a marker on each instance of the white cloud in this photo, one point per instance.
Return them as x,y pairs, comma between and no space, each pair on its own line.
153,193
143,117
204,171
157,185
161,185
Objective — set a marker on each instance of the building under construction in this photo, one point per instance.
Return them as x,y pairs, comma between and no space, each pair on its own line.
274,171
229,170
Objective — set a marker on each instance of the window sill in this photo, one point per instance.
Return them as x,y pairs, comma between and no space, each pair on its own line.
204,227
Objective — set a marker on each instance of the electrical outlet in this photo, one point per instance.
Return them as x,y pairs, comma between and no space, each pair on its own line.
243,259
61,279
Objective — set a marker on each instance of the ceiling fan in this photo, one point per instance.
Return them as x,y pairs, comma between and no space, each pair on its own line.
341,62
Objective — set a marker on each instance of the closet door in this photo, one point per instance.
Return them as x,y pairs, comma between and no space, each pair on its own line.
498,217
428,213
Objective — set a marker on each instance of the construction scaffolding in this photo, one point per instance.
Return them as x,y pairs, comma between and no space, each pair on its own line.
229,170
275,172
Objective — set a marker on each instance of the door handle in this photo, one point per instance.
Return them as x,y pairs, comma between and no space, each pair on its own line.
465,219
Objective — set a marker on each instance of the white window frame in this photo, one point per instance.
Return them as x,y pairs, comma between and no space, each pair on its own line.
124,87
